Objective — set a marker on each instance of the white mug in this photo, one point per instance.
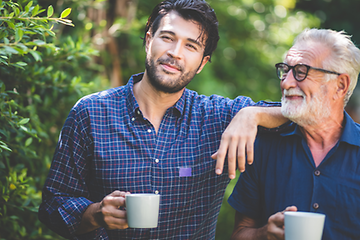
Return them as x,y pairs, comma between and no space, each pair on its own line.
304,225
142,210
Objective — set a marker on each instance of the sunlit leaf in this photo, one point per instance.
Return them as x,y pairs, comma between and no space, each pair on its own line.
24,120
50,11
35,11
65,13
18,34
28,6
39,42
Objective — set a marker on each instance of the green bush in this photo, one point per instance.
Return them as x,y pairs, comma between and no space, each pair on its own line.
40,79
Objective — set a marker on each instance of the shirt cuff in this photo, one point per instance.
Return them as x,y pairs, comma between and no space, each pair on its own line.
71,212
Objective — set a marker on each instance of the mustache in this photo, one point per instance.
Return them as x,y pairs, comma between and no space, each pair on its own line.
170,61
293,91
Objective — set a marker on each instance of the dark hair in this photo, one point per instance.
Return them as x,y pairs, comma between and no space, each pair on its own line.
195,10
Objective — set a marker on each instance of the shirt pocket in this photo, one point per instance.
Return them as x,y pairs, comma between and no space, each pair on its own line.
190,182
346,214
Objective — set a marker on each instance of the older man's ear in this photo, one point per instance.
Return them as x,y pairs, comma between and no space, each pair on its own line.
343,83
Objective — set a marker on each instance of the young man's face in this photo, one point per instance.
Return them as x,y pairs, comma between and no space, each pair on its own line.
174,54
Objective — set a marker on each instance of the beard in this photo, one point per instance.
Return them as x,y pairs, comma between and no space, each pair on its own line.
303,113
164,82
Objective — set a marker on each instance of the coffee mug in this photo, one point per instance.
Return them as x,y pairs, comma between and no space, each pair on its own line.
142,210
304,225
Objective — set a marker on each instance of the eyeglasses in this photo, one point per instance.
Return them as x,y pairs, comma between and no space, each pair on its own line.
300,71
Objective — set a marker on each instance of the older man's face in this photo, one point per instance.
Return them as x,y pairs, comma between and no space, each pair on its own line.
306,102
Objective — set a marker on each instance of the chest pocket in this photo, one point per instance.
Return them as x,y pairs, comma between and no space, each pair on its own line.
347,211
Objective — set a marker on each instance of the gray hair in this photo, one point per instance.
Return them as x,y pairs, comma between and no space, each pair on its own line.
345,56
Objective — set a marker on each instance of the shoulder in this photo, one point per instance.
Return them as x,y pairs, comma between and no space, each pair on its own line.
215,100
109,95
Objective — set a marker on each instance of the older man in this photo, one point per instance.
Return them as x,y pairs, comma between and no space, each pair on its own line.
316,166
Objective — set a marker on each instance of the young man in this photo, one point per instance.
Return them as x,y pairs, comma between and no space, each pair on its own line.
152,136
315,167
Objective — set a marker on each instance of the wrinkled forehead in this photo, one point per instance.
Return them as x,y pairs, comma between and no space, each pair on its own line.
310,53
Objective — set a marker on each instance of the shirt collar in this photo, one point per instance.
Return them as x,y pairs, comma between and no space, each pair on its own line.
350,134
133,105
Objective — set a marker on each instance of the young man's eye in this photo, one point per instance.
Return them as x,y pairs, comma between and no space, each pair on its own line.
192,47
166,38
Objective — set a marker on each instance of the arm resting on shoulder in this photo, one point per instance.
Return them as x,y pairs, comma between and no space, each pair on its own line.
237,141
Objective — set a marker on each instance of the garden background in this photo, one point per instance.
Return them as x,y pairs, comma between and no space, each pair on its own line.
52,52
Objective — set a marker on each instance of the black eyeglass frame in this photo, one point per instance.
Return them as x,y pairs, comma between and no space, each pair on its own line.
278,66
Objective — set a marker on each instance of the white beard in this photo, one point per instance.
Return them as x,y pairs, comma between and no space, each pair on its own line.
303,113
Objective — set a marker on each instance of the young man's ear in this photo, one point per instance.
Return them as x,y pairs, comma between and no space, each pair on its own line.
147,40
203,63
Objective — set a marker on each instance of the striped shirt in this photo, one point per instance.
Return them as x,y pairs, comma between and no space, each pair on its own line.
106,144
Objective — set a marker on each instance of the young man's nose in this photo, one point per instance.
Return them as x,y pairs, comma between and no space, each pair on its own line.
176,50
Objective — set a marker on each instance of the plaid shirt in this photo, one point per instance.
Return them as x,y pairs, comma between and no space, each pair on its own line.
106,144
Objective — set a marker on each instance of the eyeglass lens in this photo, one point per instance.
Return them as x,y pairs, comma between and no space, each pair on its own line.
299,71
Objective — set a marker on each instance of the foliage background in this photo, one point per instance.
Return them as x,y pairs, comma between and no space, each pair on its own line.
42,76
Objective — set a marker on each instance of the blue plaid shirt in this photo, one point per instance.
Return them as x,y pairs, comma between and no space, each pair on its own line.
106,144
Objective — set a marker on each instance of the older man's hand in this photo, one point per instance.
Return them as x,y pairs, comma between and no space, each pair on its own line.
275,227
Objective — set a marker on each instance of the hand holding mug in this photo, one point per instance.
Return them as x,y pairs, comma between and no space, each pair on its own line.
111,215
275,228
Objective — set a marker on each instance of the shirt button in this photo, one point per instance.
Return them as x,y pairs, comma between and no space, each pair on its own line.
157,160
156,192
317,173
133,119
138,112
315,206
149,130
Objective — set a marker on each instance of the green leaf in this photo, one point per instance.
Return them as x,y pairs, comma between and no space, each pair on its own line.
10,24
28,6
65,13
36,55
24,121
50,11
39,42
4,146
17,11
35,11
18,34
28,142
10,50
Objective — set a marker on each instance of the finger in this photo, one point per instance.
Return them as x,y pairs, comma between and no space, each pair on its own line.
118,213
290,209
241,156
114,201
250,150
232,153
116,193
221,154
115,223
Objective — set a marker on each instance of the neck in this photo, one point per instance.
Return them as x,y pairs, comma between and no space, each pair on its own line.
152,102
323,136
